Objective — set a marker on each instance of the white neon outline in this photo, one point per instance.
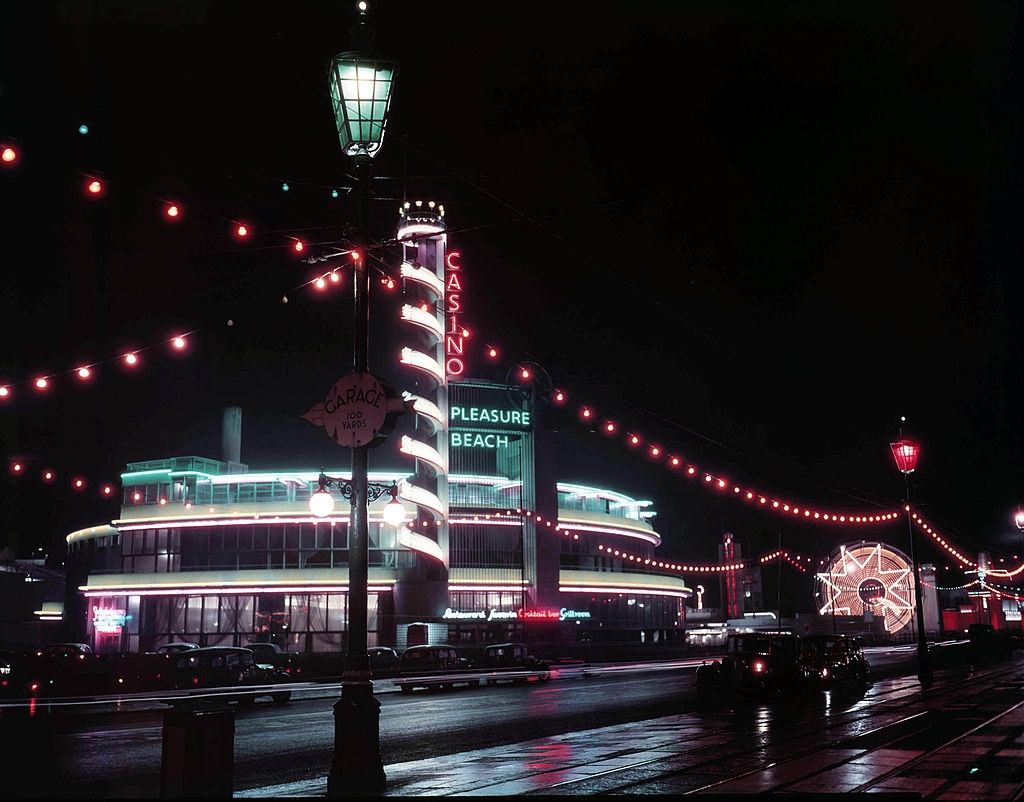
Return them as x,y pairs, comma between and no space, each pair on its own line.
420,450
421,498
650,537
420,361
413,229
428,409
417,542
210,590
424,320
424,276
636,591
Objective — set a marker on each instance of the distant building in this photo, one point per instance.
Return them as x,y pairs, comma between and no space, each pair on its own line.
741,591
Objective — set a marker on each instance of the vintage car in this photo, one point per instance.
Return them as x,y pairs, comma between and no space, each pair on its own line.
228,667
757,661
438,666
514,663
830,660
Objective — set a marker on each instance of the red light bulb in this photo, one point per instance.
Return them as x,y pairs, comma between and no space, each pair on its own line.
4,392
585,413
16,467
131,360
298,246
8,155
79,484
84,372
524,374
178,343
172,211
242,231
609,427
94,187
107,490
47,476
320,283
559,396
335,278
42,383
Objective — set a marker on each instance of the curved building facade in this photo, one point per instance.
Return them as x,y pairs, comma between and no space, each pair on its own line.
218,554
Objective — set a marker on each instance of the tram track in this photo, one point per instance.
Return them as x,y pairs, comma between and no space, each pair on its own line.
782,734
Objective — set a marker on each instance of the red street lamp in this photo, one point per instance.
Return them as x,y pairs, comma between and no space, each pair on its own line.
905,452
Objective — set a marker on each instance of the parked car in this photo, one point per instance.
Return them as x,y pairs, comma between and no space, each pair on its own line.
227,667
274,655
830,660
383,661
175,648
756,661
61,669
514,657
433,667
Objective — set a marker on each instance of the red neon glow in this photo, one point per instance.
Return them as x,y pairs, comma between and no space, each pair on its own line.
84,372
94,187
42,383
8,155
455,334
131,359
905,452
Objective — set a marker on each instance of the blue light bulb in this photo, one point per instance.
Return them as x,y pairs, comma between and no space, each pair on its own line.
83,129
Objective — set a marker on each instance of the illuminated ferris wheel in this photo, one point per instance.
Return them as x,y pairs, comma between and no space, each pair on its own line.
867,577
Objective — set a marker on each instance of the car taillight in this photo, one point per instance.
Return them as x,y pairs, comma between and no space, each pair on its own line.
34,687
195,680
758,666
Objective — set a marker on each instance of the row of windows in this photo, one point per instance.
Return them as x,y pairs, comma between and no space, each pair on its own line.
297,622
483,546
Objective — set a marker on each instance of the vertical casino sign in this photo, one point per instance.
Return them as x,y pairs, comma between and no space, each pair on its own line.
455,339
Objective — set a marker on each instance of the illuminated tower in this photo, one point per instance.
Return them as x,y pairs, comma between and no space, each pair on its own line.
421,231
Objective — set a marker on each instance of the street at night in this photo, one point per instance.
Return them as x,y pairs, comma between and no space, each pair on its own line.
518,398
722,740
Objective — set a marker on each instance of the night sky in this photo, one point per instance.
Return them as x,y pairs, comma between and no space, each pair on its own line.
757,233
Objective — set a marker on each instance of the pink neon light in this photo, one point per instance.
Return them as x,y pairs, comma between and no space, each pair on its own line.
226,589
192,523
514,588
611,531
638,591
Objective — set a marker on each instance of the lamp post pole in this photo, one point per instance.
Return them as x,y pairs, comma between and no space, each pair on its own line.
357,767
906,453
360,87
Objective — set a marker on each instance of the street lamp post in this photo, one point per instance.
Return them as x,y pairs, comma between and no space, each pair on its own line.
357,768
906,452
1019,520
360,88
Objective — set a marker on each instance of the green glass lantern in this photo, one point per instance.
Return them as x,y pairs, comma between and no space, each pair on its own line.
361,94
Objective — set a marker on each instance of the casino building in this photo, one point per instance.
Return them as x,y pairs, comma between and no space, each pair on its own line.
498,548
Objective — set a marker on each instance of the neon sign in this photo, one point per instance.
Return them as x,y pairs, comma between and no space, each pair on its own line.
512,417
454,341
564,614
477,440
108,620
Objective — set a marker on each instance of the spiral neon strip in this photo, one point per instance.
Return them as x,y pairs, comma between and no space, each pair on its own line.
421,451
420,361
422,275
423,320
421,498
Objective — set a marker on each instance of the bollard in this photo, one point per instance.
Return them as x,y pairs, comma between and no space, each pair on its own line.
198,753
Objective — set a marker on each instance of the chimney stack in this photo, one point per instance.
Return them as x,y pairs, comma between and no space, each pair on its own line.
231,435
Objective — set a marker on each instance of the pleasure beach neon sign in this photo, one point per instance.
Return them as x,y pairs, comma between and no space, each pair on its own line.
454,340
